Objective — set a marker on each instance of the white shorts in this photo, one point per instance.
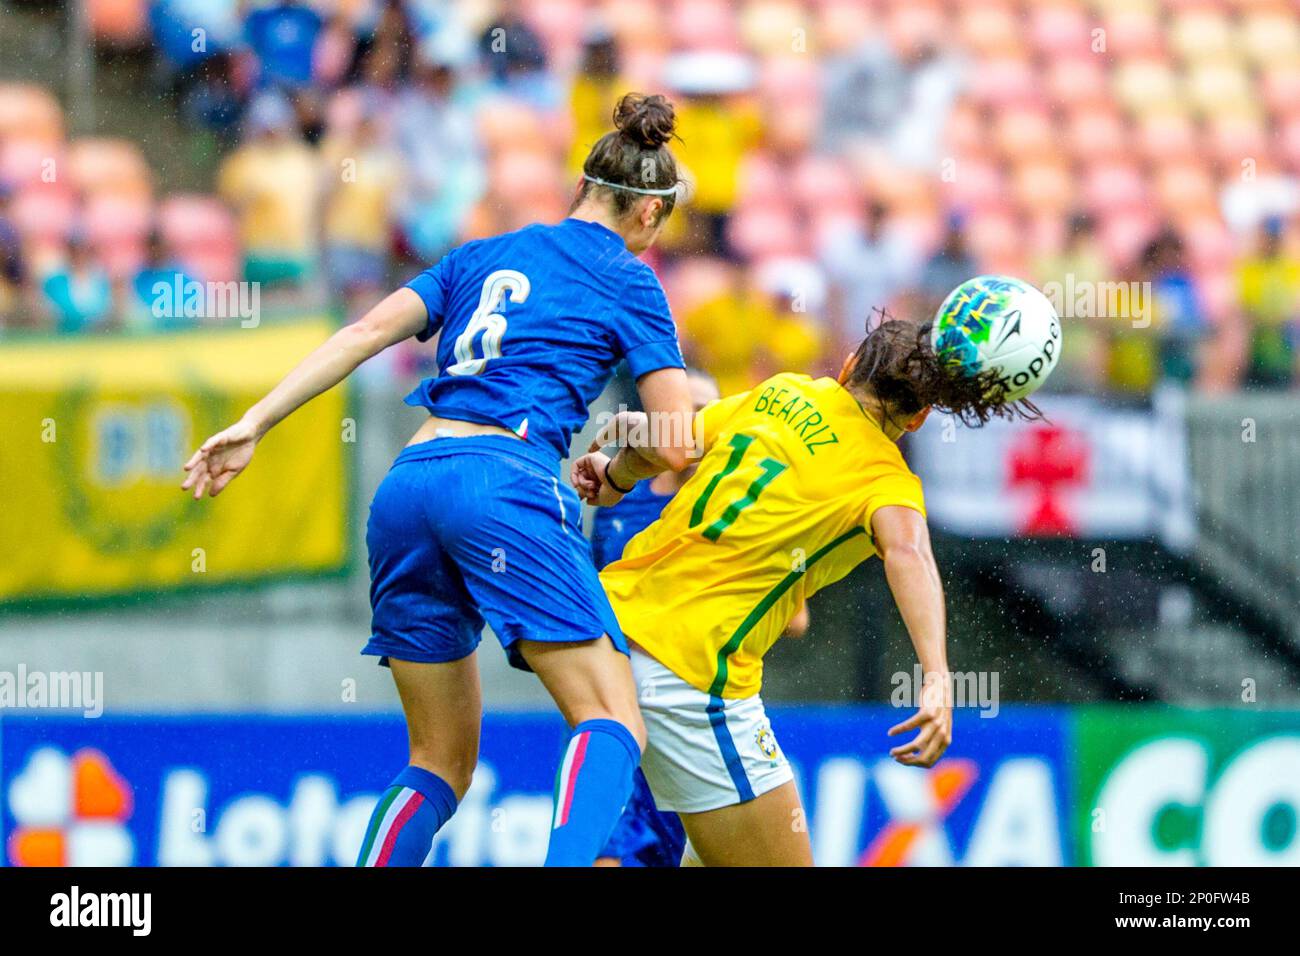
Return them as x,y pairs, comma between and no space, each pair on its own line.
702,752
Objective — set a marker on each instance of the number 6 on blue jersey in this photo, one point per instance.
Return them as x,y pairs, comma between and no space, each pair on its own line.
488,322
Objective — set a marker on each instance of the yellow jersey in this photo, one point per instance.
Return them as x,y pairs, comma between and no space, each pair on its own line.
779,507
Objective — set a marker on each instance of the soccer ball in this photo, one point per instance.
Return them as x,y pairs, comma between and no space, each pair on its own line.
1002,324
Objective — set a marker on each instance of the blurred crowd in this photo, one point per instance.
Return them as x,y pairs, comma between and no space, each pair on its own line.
845,160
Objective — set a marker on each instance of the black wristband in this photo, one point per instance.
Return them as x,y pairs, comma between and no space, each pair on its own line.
610,481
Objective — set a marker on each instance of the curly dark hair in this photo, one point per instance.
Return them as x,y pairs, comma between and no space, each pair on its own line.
897,364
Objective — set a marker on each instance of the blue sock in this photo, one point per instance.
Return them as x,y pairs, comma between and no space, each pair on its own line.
591,789
410,812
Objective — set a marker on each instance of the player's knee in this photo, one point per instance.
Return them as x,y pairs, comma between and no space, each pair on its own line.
455,767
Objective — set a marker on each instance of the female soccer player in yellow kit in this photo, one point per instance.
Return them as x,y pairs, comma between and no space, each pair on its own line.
800,481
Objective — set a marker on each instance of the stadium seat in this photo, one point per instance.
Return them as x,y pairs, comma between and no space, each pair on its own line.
1166,136
1129,30
1074,79
30,112
118,23
1097,133
843,25
990,28
24,160
703,25
776,28
45,212
1059,29
108,165
1113,185
1200,34
1044,186
1270,36
765,229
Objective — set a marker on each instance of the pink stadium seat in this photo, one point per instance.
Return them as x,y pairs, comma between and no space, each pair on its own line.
510,124
842,25
1096,133
123,23
695,280
1059,29
1166,136
524,176
29,111
108,165
638,24
765,229
1074,79
1186,187
790,78
822,181
1003,80
1113,185
966,133
198,227
977,182
703,25
998,239
1044,186
1280,85
761,176
1288,141
911,24
109,218
1025,131
45,212
211,265
1130,31
990,28
1123,233
25,161
560,24
1209,243
1234,138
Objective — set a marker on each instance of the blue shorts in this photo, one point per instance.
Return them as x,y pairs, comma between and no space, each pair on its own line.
468,530
644,834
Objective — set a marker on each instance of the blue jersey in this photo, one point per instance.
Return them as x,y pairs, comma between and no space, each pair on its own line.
533,324
615,526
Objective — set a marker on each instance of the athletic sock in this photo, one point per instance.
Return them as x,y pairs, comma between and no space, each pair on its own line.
591,789
410,812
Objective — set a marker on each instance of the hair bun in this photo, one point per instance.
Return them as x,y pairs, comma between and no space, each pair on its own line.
648,121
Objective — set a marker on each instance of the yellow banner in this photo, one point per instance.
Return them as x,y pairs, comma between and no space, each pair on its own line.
93,433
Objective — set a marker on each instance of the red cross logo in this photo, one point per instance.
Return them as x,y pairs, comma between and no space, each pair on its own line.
1048,459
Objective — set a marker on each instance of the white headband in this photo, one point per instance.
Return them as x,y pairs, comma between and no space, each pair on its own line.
671,190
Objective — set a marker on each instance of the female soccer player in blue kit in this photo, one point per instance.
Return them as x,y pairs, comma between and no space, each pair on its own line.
473,524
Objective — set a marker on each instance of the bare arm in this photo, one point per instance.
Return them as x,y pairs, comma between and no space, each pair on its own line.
223,456
903,543
659,439
666,397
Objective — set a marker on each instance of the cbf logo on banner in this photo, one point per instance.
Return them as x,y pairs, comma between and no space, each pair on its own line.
267,791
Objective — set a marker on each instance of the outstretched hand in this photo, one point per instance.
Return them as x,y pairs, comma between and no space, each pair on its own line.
932,721
220,459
